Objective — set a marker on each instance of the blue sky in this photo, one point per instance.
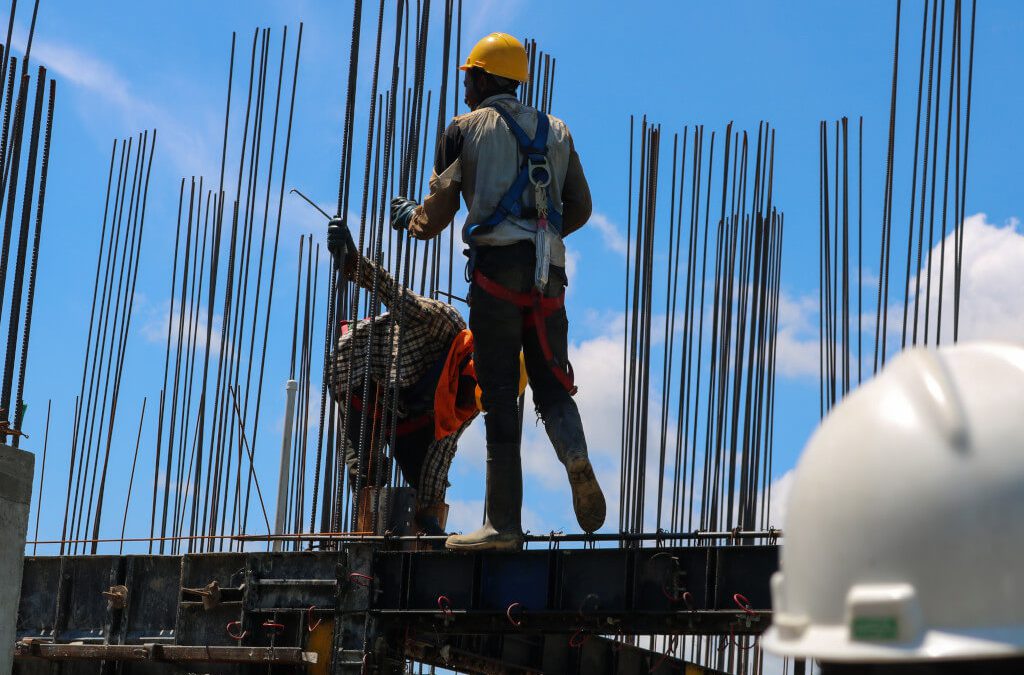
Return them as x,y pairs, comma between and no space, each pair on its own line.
123,67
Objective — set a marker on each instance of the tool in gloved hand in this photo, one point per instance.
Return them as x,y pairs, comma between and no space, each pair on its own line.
339,237
401,212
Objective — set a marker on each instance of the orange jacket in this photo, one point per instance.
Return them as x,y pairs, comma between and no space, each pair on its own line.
448,415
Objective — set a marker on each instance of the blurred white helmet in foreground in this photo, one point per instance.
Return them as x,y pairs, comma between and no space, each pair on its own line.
905,526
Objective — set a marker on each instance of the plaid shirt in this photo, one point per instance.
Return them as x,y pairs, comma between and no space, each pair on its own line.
425,334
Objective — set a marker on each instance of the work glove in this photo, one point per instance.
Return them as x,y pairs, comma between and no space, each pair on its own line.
340,242
401,212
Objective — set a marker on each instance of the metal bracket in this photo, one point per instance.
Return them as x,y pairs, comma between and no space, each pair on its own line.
210,594
117,597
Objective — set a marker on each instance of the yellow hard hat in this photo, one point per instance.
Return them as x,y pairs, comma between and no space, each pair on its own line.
499,54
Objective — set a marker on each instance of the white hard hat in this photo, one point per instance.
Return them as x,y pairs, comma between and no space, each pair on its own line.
905,524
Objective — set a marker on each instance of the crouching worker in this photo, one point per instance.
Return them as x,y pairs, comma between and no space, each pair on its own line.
435,377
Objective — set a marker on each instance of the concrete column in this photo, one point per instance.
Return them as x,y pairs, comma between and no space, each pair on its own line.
16,470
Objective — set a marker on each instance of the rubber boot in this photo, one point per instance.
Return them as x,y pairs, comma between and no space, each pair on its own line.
430,519
502,528
565,430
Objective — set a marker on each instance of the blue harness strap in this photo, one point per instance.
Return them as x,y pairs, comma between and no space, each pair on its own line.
533,149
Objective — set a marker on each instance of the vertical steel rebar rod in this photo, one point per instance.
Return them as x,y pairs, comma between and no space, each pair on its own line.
131,478
42,477
34,266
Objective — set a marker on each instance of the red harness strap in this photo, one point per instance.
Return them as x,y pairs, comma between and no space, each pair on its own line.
406,426
537,307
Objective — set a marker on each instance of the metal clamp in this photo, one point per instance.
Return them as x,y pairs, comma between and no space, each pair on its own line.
210,594
671,586
117,597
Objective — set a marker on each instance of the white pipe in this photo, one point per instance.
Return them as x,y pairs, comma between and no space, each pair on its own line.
286,451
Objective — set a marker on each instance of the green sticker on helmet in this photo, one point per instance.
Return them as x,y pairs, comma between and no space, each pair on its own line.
875,628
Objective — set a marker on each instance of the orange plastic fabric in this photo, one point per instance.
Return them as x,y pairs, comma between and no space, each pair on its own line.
448,415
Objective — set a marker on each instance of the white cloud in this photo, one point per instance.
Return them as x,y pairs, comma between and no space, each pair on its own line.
488,16
467,515
572,263
85,71
992,306
464,515
991,302
600,322
797,337
110,93
780,499
611,235
598,367
154,328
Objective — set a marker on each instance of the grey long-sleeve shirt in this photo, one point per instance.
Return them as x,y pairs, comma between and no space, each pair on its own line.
478,158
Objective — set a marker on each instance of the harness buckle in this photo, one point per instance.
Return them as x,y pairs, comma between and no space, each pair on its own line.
538,170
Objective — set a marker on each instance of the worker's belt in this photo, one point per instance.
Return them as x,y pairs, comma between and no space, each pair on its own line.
536,308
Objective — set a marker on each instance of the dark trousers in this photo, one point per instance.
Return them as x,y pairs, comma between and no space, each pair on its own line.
409,451
499,334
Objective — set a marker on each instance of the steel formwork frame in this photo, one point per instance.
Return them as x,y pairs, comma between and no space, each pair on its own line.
367,609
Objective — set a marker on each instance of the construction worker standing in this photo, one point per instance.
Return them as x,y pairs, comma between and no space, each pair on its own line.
523,184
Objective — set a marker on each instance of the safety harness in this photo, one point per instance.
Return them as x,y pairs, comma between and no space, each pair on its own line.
536,307
403,428
534,171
